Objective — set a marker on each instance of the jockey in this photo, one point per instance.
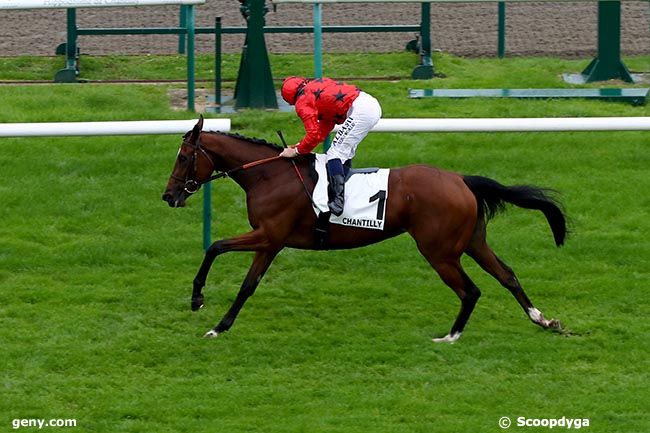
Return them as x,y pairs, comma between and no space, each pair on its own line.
321,103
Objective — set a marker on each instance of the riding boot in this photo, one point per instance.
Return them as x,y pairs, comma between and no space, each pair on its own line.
336,187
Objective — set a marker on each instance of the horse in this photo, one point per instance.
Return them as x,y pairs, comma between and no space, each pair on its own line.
446,213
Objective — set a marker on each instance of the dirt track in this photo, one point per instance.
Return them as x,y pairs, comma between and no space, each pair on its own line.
466,29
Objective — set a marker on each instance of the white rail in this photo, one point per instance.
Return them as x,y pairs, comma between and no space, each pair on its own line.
515,124
147,127
385,125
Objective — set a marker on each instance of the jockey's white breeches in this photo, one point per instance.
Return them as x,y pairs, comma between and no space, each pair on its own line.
363,115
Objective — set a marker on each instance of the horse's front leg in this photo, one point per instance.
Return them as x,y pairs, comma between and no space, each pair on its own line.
251,241
261,263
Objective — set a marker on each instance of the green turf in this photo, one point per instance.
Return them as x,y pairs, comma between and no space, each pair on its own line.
508,72
96,271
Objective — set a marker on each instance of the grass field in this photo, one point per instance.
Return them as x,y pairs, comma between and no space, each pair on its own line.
96,271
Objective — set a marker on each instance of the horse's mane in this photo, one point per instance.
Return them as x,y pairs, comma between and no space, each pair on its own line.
249,139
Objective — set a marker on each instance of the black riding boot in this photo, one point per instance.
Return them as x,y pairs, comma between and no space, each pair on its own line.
336,187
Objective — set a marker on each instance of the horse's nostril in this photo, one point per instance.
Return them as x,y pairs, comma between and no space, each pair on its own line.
167,197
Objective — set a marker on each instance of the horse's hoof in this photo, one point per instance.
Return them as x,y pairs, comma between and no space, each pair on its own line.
197,303
555,325
211,334
449,338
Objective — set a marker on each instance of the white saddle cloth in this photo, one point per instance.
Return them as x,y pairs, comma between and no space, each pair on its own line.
365,197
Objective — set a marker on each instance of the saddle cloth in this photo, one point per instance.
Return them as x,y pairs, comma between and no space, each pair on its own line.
366,193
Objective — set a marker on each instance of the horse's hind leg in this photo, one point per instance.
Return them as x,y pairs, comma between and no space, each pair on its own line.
455,277
485,257
443,254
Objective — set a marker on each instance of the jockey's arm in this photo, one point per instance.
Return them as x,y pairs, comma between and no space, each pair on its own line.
315,133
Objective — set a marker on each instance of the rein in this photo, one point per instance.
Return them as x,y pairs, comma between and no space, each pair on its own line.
221,174
192,185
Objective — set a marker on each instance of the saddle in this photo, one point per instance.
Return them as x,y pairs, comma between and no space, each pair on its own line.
366,191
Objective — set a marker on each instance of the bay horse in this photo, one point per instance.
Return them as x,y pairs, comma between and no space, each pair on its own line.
445,213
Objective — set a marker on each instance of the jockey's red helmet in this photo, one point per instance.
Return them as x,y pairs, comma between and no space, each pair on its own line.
290,88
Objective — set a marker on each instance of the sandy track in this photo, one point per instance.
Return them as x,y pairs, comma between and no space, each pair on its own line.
466,29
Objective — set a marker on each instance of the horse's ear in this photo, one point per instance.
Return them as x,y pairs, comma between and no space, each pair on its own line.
196,131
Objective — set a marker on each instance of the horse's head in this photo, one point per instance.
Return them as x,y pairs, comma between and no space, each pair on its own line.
193,165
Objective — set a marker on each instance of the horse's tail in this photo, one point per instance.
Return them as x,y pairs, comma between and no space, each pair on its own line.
492,196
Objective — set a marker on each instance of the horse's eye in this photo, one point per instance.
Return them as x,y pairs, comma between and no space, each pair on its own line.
182,158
